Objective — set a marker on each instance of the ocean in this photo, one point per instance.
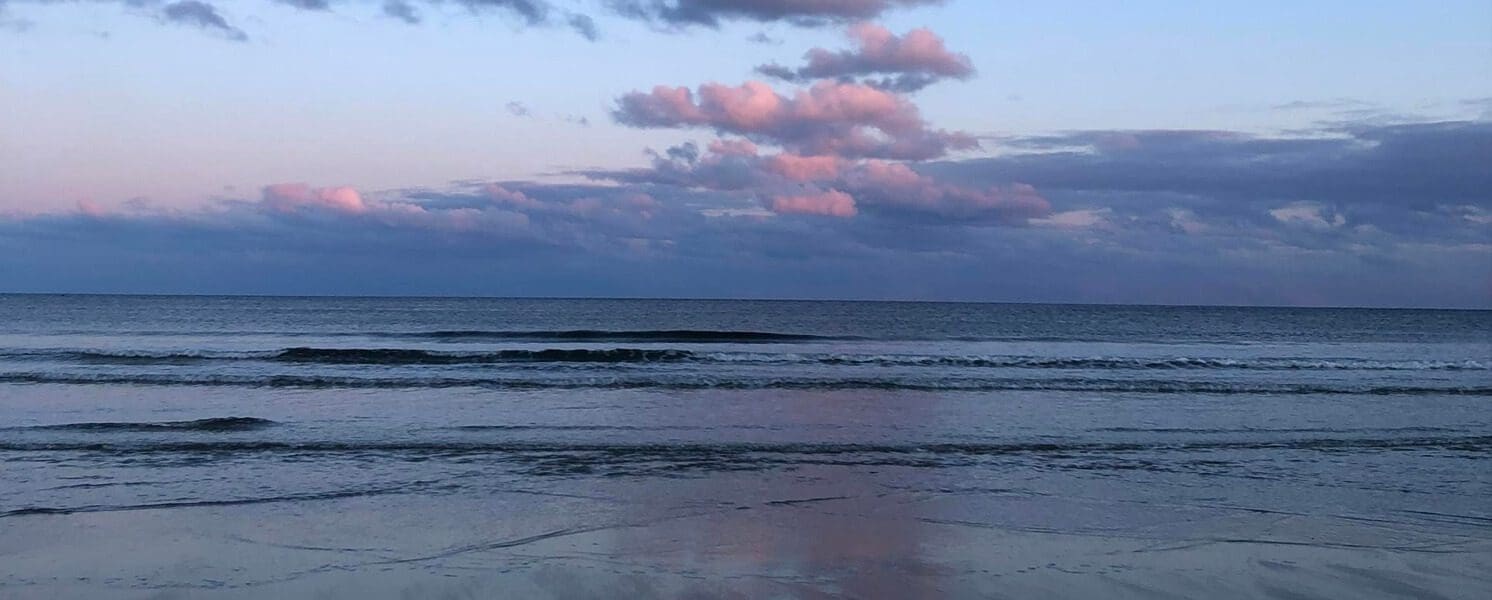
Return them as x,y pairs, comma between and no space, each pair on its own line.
247,447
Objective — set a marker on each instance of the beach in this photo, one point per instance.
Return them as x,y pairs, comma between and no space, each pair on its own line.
182,447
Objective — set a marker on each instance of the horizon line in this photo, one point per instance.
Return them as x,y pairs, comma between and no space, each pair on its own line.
739,299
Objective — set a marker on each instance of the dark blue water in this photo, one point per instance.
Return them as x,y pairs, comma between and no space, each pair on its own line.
1369,430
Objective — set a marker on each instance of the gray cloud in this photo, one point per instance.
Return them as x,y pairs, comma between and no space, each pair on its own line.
671,13
761,37
1415,166
401,10
1356,215
12,24
308,4
533,12
537,13
711,13
517,238
203,15
584,25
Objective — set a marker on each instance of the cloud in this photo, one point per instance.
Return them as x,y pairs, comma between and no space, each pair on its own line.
1307,215
1368,172
829,203
502,195
1087,218
805,168
848,148
293,197
321,5
203,15
727,165
535,13
908,63
12,24
881,229
583,25
885,189
896,188
91,208
518,109
518,238
761,37
1352,192
673,14
844,119
711,13
401,10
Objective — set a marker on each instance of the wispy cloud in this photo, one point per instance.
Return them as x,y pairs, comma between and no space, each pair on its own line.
711,13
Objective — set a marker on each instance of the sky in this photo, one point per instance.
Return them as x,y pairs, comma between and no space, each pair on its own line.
1253,153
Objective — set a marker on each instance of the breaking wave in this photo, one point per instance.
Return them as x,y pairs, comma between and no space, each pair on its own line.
411,356
213,424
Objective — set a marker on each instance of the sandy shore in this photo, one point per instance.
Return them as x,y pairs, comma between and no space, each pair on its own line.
751,535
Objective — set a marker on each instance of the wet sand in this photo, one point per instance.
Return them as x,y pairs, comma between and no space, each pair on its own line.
815,532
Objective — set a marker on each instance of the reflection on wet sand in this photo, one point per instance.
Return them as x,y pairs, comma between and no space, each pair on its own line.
788,494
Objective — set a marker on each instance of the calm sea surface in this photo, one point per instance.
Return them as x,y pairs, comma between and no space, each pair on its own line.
300,447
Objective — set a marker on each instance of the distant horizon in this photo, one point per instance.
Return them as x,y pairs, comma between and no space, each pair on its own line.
748,299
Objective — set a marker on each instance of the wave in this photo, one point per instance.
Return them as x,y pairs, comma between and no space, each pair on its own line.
599,335
130,357
1256,430
1146,386
306,497
404,356
666,451
409,356
212,424
1127,363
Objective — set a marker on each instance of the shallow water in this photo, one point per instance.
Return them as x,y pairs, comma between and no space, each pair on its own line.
251,447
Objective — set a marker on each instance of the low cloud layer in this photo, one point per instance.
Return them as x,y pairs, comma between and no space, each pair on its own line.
1356,214
1237,234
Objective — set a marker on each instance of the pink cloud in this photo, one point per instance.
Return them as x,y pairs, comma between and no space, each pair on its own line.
847,119
732,148
291,197
911,61
504,196
829,203
804,168
888,174
897,186
91,208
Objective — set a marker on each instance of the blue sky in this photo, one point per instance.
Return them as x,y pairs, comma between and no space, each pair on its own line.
491,150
